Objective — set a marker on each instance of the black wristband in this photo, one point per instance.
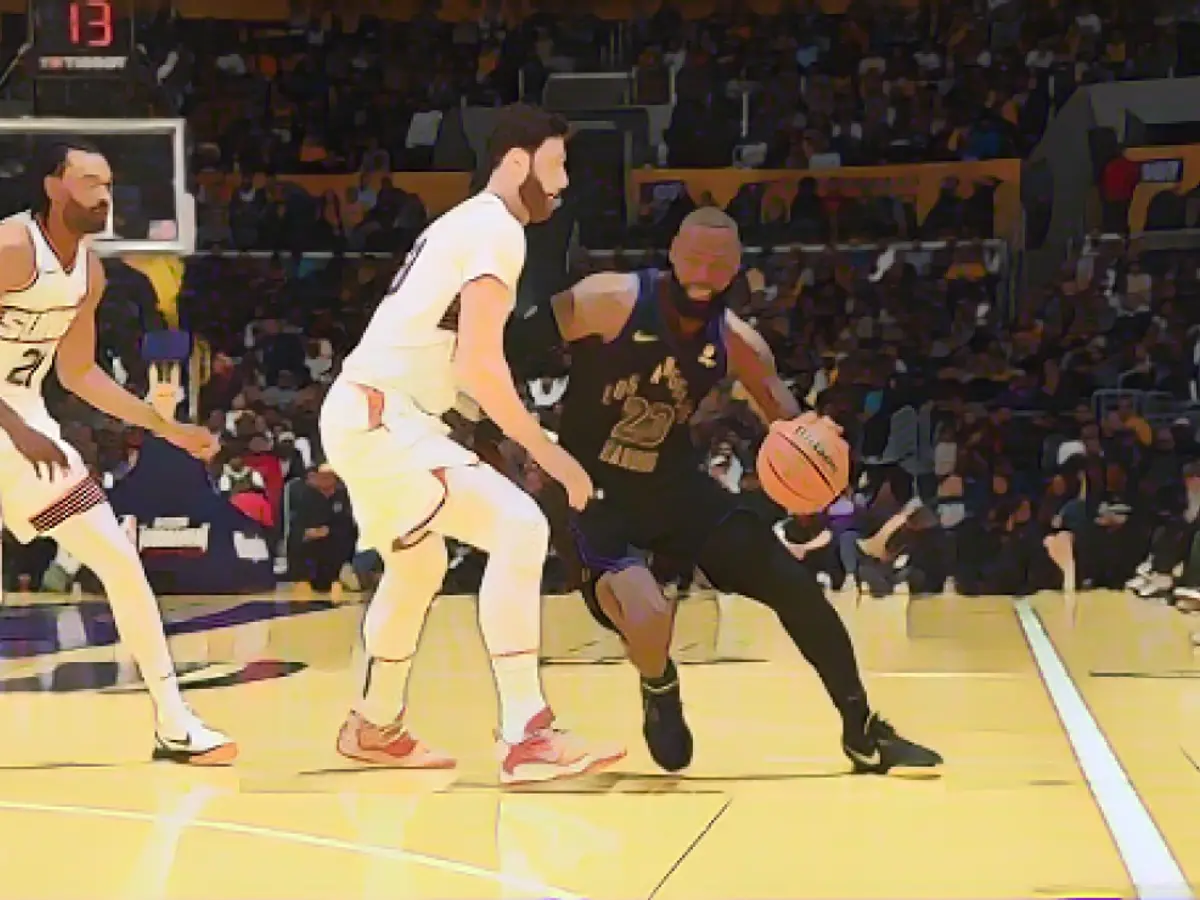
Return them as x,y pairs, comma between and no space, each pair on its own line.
532,341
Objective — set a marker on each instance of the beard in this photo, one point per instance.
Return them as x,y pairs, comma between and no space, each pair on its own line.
537,202
710,309
85,221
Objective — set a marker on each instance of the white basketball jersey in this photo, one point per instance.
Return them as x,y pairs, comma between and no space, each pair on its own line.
34,319
409,343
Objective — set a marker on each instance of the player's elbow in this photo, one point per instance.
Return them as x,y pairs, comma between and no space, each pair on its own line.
72,372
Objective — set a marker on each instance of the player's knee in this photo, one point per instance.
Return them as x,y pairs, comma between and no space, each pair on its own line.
787,581
98,541
423,564
526,518
504,521
633,598
743,556
411,579
522,530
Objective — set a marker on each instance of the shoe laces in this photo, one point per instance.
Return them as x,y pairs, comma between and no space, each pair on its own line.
392,731
654,701
880,728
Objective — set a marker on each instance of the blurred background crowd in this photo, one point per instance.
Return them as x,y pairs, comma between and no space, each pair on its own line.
1017,371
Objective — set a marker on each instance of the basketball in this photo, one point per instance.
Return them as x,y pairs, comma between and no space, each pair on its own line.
804,464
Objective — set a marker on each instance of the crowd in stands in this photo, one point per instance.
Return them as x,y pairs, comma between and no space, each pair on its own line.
1009,442
278,216
984,432
837,83
831,83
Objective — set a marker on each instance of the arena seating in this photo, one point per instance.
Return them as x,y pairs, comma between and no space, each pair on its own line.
872,154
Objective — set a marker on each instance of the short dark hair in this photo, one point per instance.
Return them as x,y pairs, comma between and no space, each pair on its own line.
521,126
50,159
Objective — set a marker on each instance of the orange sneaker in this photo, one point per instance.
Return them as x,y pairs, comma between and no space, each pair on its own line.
387,745
547,753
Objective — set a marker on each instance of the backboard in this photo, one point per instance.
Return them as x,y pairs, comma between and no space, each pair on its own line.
152,210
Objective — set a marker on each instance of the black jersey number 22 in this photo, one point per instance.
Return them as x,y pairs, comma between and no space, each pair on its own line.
22,374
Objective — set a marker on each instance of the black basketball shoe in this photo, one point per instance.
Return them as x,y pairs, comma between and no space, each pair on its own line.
667,735
878,749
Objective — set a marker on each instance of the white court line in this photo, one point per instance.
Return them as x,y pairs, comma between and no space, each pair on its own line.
533,888
1147,857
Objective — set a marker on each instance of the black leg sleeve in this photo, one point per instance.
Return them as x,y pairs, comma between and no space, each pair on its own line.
743,556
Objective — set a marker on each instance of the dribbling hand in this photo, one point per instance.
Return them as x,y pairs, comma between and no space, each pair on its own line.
566,470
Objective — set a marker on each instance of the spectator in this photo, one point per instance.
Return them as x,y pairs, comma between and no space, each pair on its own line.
251,501
321,530
913,349
1118,180
262,459
238,477
1178,512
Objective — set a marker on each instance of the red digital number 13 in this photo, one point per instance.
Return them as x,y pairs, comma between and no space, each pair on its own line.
91,23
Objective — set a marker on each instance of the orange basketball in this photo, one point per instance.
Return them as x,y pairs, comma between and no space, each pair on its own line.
804,465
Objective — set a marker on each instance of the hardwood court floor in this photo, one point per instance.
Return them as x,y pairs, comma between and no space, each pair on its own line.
765,812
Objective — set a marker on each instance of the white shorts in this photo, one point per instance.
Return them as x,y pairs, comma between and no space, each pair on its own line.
387,467
30,503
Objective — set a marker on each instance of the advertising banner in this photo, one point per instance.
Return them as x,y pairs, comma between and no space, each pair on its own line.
191,540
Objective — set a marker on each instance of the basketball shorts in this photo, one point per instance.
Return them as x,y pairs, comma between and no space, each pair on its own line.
671,521
385,450
31,504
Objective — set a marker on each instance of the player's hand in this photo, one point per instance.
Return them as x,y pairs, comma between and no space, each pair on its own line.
566,470
195,439
40,450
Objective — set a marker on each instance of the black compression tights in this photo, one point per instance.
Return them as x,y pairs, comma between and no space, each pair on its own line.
743,556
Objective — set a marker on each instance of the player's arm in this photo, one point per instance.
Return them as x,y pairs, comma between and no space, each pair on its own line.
79,373
16,271
480,365
599,305
16,258
752,363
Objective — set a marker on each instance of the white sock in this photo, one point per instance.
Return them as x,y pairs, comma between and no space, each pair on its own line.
171,714
519,684
485,509
384,690
97,541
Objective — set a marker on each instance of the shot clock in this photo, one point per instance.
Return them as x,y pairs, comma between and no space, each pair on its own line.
80,38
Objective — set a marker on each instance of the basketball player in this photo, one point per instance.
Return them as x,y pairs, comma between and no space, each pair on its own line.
51,283
439,328
646,348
